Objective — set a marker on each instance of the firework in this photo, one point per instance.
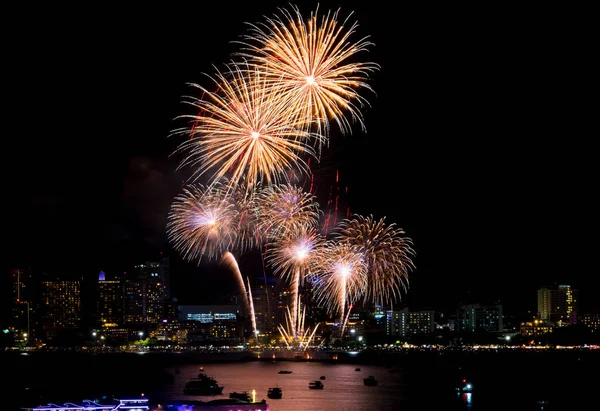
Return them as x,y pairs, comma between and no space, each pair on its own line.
252,315
229,260
284,209
244,132
312,64
295,335
292,257
208,221
387,252
341,277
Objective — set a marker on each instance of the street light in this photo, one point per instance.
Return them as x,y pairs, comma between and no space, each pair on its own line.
141,333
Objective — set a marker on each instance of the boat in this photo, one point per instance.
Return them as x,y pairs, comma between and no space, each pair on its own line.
357,369
464,385
316,385
242,396
370,381
322,377
202,386
140,404
285,372
222,404
275,393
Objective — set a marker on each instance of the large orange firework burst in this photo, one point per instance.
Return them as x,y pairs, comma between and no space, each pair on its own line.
311,63
245,132
208,221
284,209
387,252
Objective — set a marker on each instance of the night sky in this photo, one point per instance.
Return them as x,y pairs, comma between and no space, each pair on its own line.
476,143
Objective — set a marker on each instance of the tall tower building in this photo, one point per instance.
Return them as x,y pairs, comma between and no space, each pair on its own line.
144,296
60,305
558,304
264,299
22,305
110,300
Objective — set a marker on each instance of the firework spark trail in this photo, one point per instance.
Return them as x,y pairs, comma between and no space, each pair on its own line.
292,257
346,319
309,62
304,335
341,277
388,255
245,132
229,260
252,315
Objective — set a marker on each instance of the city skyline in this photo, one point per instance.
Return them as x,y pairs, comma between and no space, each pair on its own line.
464,148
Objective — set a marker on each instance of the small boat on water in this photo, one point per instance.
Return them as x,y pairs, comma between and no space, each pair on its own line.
370,381
203,385
242,396
322,377
275,393
222,404
285,372
357,369
316,385
464,386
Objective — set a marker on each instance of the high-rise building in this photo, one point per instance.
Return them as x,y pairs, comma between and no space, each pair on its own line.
22,305
110,300
144,295
558,304
407,323
60,305
476,317
265,302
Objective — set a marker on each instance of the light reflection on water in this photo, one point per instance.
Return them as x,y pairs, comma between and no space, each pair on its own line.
344,387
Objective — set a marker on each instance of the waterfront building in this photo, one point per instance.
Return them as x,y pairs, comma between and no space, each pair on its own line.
558,304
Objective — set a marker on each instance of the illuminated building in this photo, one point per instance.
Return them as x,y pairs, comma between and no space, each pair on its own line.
60,305
146,293
558,304
535,328
110,300
209,323
208,313
475,317
592,321
22,304
264,298
408,323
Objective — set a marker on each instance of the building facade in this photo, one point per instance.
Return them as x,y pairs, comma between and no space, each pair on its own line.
408,323
558,304
476,317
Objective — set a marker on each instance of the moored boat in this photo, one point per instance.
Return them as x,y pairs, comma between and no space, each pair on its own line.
316,385
275,392
242,396
370,381
202,386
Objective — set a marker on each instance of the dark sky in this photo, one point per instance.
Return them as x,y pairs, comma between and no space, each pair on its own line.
477,141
